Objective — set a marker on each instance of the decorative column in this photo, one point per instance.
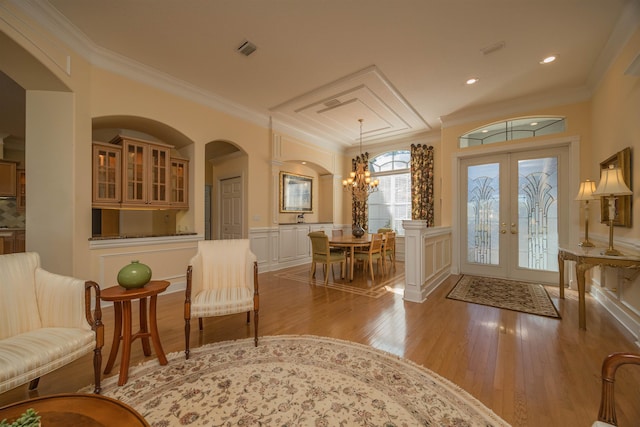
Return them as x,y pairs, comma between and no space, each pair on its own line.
413,259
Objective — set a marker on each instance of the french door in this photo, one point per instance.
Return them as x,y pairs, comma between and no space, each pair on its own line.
513,214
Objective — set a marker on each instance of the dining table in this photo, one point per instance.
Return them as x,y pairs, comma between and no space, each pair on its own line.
351,242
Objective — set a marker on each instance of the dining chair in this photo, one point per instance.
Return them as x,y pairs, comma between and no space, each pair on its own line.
322,253
389,249
384,230
374,252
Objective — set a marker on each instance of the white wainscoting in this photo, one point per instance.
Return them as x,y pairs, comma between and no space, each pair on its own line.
286,246
427,259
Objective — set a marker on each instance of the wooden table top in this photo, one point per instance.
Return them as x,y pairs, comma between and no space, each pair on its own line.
77,410
118,293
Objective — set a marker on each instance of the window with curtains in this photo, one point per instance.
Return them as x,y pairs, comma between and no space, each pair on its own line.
392,202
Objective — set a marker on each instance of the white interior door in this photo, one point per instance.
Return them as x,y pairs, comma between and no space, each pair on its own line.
231,208
513,208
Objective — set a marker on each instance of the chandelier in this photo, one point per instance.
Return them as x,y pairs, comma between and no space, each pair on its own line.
359,183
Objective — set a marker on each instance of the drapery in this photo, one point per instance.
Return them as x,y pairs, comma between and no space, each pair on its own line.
422,198
359,210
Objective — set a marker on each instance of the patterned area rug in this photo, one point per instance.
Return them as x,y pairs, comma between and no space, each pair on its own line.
295,380
525,297
379,287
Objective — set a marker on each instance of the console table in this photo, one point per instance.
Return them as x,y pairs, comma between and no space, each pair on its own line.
585,259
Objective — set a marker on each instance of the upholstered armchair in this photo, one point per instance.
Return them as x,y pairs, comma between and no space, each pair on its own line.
46,321
607,412
323,254
222,279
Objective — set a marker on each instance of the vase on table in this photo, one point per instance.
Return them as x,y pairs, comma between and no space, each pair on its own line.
134,275
357,231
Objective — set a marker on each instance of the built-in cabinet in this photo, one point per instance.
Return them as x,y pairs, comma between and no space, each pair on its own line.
8,186
21,190
12,241
294,242
133,173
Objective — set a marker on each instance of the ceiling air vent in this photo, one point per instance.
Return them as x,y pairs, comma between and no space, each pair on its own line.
246,48
332,103
493,48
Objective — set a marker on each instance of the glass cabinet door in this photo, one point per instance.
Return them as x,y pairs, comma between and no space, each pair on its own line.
158,175
106,175
179,189
134,173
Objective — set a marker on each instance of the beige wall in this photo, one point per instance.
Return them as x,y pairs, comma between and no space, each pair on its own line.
616,125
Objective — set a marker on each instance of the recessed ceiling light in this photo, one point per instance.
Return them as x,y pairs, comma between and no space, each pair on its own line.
472,80
485,130
534,123
548,59
304,163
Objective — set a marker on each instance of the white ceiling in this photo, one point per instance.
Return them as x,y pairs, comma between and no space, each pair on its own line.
401,65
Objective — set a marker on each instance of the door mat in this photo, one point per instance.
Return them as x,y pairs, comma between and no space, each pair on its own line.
525,297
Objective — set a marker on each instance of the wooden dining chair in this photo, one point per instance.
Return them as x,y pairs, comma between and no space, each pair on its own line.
322,253
374,252
389,249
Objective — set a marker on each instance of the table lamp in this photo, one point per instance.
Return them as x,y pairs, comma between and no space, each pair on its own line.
586,193
611,185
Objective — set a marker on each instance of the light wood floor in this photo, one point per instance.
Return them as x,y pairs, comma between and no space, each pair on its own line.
530,370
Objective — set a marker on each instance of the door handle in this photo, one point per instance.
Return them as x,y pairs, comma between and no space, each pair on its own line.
503,231
514,230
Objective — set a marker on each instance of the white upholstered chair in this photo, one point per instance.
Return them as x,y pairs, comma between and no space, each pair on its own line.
222,279
46,321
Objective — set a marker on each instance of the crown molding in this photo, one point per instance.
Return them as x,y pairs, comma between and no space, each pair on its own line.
627,24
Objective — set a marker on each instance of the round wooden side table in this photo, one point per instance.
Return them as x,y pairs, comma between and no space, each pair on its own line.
75,409
122,298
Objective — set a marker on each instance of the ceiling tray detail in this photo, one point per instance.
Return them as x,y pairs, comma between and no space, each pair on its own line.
334,109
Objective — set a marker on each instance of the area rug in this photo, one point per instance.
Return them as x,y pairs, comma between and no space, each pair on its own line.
380,286
295,381
525,297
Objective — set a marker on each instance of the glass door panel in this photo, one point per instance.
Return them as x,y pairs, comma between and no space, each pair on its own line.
483,203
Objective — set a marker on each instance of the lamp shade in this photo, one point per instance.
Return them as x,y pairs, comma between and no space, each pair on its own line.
612,183
586,190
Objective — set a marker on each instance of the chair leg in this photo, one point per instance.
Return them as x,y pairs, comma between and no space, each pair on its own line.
313,269
255,327
34,384
187,335
371,268
326,273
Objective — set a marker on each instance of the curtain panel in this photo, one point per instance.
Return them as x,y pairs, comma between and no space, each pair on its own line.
422,199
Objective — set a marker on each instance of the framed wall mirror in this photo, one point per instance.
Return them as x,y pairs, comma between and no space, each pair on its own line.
296,193
622,160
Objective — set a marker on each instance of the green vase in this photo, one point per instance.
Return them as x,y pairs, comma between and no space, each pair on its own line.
134,275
